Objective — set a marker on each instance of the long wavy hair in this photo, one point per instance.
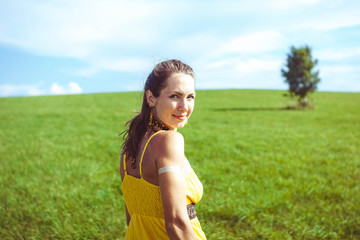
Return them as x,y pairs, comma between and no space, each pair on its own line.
156,81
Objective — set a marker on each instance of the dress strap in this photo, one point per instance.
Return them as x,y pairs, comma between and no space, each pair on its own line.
124,161
142,155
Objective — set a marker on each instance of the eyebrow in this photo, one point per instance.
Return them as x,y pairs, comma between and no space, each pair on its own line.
181,93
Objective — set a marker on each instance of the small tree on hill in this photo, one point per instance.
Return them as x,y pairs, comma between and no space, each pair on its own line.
299,73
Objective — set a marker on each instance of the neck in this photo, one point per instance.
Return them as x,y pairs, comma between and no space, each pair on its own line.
158,125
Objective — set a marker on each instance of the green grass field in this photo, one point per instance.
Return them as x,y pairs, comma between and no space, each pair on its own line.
268,172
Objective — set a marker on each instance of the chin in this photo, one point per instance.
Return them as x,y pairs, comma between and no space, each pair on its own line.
181,125
178,125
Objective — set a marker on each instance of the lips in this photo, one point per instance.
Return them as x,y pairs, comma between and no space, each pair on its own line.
180,117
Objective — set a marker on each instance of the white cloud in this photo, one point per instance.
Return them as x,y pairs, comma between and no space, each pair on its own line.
340,83
106,35
245,66
287,15
7,90
72,88
254,65
246,8
326,16
84,28
258,42
331,20
121,64
127,64
285,4
86,72
330,70
240,73
338,54
198,44
79,28
339,77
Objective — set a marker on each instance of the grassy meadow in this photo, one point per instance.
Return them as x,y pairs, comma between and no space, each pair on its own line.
268,172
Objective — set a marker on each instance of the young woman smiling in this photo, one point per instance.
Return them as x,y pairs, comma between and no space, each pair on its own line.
159,186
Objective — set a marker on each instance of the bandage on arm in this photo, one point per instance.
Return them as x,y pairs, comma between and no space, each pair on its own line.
170,169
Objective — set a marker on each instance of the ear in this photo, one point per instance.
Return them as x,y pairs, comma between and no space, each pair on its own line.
151,100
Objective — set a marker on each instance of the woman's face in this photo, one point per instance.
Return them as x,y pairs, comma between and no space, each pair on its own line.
176,101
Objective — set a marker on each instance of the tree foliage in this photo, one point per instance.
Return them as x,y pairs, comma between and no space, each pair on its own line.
300,74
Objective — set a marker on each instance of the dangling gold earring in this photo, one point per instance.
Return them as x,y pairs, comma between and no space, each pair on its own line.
186,123
151,119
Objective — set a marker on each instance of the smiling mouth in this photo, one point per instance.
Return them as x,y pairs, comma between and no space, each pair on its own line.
182,117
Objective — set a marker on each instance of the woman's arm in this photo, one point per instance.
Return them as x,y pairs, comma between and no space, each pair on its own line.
173,186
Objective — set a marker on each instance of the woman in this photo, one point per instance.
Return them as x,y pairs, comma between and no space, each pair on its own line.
159,186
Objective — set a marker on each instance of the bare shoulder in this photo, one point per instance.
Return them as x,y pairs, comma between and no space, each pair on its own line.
168,139
168,147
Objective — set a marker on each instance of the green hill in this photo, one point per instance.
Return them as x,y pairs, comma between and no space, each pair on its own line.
268,172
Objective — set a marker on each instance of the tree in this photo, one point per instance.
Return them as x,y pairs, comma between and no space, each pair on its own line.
300,75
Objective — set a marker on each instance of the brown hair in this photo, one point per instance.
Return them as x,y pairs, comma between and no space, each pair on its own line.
156,81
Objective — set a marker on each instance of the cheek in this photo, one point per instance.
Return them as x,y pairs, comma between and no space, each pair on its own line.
191,106
165,107
169,106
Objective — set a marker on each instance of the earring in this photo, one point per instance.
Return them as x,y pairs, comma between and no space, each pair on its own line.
186,123
151,119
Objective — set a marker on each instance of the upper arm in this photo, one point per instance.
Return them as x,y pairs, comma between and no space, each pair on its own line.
172,184
172,150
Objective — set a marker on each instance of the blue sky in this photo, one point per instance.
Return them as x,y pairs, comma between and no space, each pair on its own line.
86,46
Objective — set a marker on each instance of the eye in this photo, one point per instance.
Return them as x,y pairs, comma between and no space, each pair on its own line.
174,96
191,97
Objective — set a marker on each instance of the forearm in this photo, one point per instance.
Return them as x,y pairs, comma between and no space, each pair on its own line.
180,229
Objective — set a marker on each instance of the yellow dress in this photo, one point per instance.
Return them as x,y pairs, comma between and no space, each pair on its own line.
143,202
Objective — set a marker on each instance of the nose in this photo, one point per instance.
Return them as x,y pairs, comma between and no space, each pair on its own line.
183,105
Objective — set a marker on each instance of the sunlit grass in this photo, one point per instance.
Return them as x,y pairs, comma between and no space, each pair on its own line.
268,172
